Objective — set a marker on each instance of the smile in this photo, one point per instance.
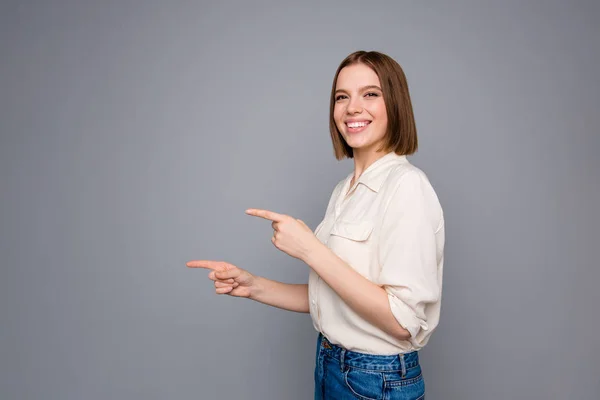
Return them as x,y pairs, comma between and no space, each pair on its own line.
360,124
357,126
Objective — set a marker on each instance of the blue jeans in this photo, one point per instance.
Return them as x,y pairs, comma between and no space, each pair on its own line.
347,375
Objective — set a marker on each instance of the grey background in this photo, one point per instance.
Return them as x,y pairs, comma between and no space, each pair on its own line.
134,134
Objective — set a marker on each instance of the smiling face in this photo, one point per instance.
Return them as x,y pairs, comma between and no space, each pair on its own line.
359,111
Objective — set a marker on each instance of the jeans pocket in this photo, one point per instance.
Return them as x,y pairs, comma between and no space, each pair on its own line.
409,387
364,384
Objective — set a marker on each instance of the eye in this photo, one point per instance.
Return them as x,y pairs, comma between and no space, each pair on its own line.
372,94
340,97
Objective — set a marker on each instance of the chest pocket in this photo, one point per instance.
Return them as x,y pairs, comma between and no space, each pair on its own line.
349,240
357,231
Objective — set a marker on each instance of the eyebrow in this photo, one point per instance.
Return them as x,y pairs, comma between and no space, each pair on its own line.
362,89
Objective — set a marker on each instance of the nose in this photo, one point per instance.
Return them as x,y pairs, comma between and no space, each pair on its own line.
354,106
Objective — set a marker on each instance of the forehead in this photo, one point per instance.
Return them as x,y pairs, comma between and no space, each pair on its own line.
356,76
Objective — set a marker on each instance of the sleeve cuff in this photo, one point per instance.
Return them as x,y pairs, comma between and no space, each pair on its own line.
406,318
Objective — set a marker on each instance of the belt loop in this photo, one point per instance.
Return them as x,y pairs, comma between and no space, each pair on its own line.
342,355
402,364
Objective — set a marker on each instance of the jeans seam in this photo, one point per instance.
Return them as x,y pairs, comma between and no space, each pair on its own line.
367,369
324,371
404,382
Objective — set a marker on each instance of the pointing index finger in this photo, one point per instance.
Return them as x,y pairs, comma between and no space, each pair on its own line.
207,264
270,215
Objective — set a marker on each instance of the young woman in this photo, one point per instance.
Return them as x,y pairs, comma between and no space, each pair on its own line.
376,259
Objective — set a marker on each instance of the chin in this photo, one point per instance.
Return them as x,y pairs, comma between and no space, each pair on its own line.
355,144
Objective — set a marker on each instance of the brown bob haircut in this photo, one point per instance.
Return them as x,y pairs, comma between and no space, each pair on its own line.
401,135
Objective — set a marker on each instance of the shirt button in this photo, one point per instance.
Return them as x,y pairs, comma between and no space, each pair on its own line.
314,302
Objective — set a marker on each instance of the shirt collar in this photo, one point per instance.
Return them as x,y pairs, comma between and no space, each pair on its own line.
376,173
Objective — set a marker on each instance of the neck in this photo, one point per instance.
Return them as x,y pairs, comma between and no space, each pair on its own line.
363,159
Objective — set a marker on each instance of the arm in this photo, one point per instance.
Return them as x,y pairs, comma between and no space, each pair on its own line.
408,251
296,239
292,297
234,281
369,300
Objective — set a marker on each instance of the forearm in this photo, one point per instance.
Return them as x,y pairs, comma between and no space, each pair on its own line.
367,299
287,296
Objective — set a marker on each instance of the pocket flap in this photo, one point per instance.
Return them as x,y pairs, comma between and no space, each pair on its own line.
353,230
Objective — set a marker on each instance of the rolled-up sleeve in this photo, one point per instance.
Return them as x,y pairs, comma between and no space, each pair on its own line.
410,253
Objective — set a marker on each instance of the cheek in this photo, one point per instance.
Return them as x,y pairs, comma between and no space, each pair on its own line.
381,115
383,120
338,114
381,111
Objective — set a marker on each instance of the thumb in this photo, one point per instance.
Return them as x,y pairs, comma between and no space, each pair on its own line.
304,224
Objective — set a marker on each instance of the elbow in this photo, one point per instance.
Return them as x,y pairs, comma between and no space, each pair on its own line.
401,333
396,330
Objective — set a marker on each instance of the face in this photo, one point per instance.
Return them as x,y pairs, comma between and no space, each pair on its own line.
359,110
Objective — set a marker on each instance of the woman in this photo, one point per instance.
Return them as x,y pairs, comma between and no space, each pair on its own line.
376,259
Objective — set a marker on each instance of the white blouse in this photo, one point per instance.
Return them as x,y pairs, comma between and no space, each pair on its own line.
390,229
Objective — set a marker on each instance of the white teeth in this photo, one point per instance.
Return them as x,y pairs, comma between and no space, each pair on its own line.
357,124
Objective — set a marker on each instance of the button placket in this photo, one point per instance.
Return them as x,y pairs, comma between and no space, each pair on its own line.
342,198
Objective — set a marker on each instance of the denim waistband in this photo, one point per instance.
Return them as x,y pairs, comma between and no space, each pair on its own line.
397,362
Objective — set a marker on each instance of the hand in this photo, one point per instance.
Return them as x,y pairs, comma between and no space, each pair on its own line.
228,278
292,236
